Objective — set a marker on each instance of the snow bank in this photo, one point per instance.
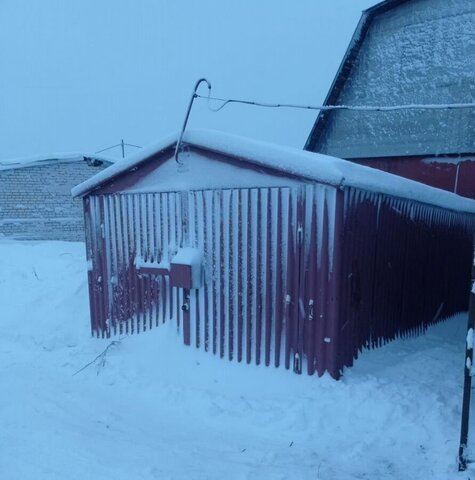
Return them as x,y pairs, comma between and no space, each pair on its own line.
308,166
150,408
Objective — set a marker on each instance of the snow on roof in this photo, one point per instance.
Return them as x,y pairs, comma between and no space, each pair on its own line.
305,165
123,165
416,53
39,160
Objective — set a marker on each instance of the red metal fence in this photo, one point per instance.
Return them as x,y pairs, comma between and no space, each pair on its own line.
305,277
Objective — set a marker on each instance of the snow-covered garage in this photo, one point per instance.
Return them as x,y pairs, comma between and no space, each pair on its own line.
303,259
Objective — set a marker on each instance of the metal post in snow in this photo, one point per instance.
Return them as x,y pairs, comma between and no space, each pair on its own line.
467,385
186,317
123,148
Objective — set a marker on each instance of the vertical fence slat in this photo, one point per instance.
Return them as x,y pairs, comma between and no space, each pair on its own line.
251,291
240,274
279,295
269,274
311,292
102,248
222,282
259,280
230,260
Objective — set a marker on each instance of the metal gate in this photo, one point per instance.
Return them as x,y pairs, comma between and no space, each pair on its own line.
267,261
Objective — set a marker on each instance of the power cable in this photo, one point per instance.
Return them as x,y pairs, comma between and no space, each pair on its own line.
365,108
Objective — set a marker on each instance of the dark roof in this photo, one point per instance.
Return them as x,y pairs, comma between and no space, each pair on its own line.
384,6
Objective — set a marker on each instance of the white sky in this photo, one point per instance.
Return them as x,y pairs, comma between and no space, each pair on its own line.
80,75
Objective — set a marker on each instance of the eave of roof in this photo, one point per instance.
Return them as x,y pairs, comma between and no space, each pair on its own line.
384,6
41,160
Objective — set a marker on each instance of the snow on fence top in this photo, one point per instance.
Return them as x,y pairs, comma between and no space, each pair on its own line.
39,160
307,166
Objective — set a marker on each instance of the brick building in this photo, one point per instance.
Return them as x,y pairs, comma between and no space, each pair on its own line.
35,196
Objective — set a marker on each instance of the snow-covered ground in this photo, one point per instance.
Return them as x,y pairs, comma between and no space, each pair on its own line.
151,408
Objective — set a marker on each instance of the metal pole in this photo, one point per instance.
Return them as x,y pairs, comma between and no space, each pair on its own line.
467,384
123,149
193,96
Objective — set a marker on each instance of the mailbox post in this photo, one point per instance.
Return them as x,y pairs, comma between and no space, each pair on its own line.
186,273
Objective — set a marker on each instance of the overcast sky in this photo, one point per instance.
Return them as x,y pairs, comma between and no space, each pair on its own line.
79,75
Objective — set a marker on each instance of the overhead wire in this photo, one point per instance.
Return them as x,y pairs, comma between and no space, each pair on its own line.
367,108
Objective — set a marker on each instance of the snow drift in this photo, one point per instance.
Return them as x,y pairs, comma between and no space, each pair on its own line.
152,408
